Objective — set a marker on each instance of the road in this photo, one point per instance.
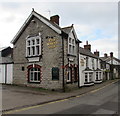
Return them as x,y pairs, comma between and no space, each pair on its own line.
101,101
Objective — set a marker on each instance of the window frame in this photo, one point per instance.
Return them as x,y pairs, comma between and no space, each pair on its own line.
32,71
71,46
87,61
69,77
88,77
33,50
93,64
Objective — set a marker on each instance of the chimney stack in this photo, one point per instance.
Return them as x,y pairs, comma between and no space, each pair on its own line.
87,46
105,55
96,53
111,54
55,19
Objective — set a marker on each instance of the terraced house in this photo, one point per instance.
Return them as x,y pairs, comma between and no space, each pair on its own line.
45,55
48,56
114,65
90,66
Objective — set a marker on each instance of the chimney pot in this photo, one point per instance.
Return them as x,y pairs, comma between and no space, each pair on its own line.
86,42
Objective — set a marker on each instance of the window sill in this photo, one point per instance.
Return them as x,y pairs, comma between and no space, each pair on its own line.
68,82
89,83
71,55
98,81
55,79
34,82
33,58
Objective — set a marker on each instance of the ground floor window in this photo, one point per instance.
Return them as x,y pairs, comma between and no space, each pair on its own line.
34,73
75,74
88,77
98,75
69,74
72,73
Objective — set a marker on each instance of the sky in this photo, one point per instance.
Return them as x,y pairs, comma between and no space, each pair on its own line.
95,21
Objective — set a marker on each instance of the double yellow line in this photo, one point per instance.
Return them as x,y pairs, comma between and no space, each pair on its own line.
32,107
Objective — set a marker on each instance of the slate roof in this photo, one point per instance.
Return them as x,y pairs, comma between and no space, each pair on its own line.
6,55
54,26
67,29
88,69
98,69
87,53
2,48
109,58
5,51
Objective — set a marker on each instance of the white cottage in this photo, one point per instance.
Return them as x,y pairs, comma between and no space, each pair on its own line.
6,65
90,67
114,65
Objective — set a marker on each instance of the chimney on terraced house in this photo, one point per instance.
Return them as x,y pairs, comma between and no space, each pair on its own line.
87,46
96,53
105,55
111,54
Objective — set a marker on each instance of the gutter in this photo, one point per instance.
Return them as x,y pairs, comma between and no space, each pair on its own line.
78,63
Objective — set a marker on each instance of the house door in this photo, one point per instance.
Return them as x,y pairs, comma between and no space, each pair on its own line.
106,76
69,79
75,74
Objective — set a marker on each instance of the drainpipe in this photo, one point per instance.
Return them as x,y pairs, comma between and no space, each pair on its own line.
5,73
78,67
63,63
63,78
112,68
78,41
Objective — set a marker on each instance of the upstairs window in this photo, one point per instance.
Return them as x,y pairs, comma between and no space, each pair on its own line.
93,64
69,79
86,61
33,46
71,46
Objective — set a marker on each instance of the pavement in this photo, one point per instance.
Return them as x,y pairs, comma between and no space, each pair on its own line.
16,97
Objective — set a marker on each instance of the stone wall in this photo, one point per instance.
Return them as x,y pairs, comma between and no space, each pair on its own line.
51,57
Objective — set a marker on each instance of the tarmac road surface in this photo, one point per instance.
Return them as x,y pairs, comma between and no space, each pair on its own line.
99,101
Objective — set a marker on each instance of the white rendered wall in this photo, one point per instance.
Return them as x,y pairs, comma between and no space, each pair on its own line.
6,71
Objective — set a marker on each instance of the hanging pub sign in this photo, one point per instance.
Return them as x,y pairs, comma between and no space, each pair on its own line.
82,62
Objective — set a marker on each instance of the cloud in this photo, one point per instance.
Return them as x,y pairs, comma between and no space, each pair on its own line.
96,22
105,45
